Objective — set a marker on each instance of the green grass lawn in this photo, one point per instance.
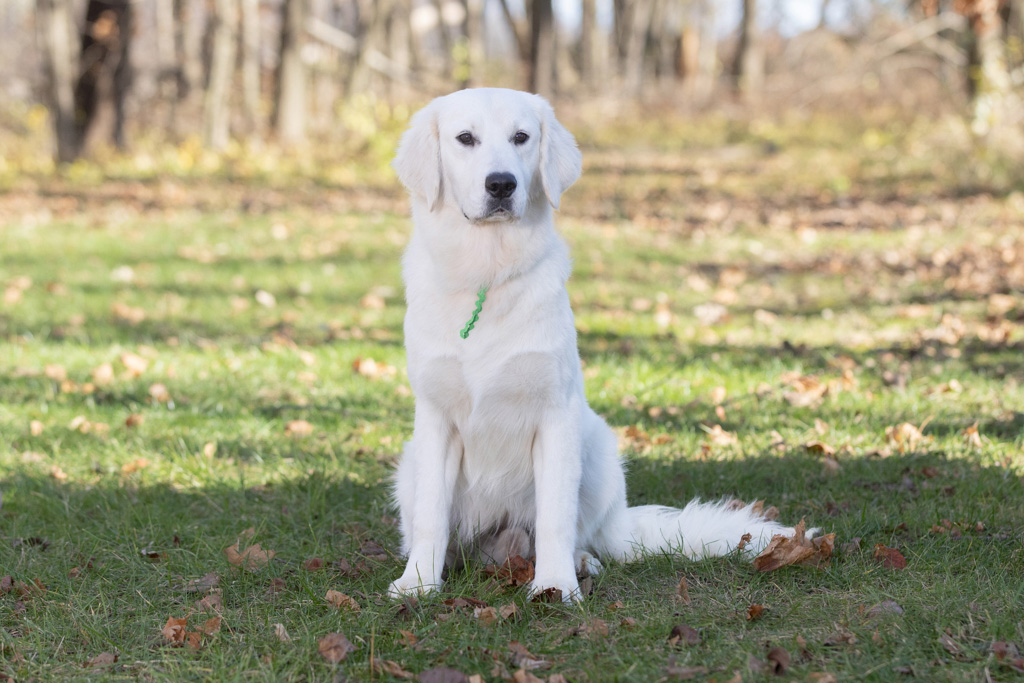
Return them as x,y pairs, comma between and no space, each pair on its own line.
183,359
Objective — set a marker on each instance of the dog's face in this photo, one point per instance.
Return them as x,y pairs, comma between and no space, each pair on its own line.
488,152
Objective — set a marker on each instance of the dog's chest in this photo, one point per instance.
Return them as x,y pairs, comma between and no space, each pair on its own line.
481,394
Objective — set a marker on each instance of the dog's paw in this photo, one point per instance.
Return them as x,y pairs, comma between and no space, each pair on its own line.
409,585
587,564
548,589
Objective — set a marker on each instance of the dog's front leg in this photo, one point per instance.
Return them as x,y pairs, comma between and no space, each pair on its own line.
557,468
436,450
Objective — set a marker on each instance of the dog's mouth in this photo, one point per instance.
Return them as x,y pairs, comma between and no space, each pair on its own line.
499,211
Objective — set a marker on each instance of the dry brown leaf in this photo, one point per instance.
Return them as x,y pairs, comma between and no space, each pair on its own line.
298,428
517,571
778,660
211,626
408,637
313,564
205,583
682,594
35,427
524,676
819,448
783,551
135,465
755,612
341,601
159,393
174,630
103,374
720,437
685,673
134,420
509,611
134,364
683,634
392,669
334,647
904,436
442,674
102,659
281,634
890,557
211,603
486,616
252,558
972,437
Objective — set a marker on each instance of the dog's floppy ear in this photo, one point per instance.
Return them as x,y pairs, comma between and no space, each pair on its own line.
560,159
418,161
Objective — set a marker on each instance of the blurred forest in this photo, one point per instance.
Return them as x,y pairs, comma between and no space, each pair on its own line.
85,76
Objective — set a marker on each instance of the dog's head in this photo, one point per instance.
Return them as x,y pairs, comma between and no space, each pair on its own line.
488,152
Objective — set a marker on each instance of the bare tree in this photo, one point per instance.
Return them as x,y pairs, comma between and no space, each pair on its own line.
588,40
55,20
749,65
636,44
216,108
990,76
290,97
542,48
105,72
474,30
251,65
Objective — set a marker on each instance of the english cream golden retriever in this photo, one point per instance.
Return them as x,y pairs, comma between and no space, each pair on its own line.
506,457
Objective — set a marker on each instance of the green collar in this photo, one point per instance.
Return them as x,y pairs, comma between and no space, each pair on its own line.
480,296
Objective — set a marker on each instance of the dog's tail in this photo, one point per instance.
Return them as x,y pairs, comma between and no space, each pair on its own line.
700,529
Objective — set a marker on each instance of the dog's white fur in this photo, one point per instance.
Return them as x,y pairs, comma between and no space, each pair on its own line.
507,457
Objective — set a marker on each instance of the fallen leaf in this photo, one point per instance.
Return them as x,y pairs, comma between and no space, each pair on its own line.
890,557
392,669
442,674
684,673
517,571
134,420
821,677
819,448
174,630
783,550
135,465
509,611
754,612
682,594
134,363
904,436
486,616
334,647
683,634
341,601
103,374
408,637
313,564
102,659
158,392
720,437
778,660
35,427
211,603
524,659
200,585
548,595
885,607
524,676
281,634
972,437
252,558
211,626
949,645
298,428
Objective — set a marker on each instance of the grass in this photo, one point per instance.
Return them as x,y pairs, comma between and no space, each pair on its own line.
707,280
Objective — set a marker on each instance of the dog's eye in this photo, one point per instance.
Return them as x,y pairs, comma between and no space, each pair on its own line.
466,139
520,138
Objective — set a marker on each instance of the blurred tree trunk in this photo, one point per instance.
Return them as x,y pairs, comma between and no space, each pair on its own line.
636,44
188,44
55,22
749,65
588,43
989,73
474,31
105,72
707,52
400,45
216,108
373,24
542,48
823,13
290,97
251,66
518,31
167,59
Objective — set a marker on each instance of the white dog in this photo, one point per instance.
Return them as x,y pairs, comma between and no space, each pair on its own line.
506,456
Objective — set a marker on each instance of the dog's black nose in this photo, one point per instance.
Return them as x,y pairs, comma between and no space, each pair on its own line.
500,185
